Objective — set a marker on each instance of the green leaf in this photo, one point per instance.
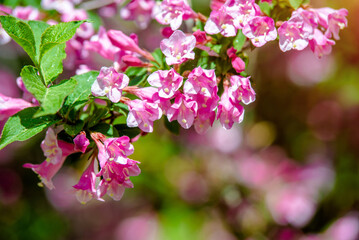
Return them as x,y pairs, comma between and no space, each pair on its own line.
136,74
23,126
124,130
55,96
173,126
74,129
37,28
105,129
33,82
295,3
82,91
239,41
266,7
96,116
22,34
57,34
51,98
51,67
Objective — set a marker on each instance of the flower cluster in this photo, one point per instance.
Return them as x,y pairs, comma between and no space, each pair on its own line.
193,79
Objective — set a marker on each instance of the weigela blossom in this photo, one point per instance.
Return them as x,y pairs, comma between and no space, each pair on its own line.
201,81
81,142
124,42
26,13
206,111
86,187
142,114
140,11
102,45
110,83
331,19
227,113
168,82
320,44
178,48
241,90
291,36
117,149
61,6
56,152
242,11
86,30
260,30
115,173
220,22
237,63
9,106
172,12
184,110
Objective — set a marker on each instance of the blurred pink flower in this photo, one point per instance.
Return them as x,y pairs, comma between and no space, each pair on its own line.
10,106
140,11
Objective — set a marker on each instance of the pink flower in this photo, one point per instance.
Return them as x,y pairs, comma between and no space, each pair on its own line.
124,42
237,62
336,22
201,37
81,142
4,37
184,110
220,22
227,112
10,106
86,187
291,205
173,12
291,36
115,173
241,90
56,152
26,13
140,11
320,44
206,111
115,178
168,82
260,30
201,81
86,29
242,11
142,114
178,48
117,149
61,6
331,19
110,83
101,44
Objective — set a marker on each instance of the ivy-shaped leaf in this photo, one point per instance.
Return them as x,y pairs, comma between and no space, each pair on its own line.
23,126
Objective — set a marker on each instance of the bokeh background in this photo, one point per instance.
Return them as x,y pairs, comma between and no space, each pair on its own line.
290,171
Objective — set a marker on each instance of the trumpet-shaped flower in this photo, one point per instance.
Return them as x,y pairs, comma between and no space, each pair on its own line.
86,187
56,152
140,11
220,22
260,30
201,81
173,12
320,44
184,110
178,48
168,82
241,91
110,83
142,114
10,106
